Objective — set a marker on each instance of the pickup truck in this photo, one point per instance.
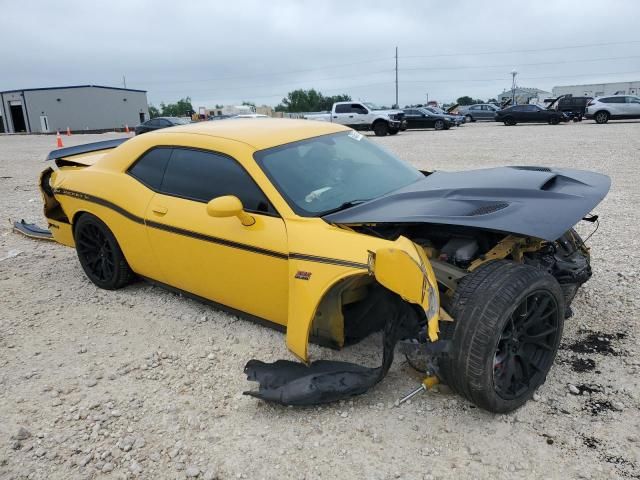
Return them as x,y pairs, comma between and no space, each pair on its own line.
363,116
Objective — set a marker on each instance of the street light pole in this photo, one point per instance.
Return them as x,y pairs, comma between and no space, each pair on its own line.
513,86
397,105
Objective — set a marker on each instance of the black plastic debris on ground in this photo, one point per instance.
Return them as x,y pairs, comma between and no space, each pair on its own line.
596,342
598,407
294,383
591,442
584,388
582,365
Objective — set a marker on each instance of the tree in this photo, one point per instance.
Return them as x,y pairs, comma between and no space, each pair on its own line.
466,100
249,104
182,108
153,111
308,101
492,100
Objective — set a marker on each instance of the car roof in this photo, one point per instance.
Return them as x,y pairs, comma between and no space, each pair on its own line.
260,133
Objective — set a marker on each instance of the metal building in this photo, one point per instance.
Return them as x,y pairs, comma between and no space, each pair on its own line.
90,108
598,89
523,95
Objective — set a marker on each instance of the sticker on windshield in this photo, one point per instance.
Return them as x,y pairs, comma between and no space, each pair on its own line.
355,135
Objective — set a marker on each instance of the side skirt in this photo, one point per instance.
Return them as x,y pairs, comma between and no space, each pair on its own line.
323,342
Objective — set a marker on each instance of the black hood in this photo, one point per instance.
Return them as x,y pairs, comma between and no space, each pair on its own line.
531,201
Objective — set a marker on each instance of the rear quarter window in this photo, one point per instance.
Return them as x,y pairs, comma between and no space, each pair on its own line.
149,168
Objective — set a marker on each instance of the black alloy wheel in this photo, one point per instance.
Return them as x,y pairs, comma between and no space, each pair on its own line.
602,117
525,349
99,253
439,125
380,128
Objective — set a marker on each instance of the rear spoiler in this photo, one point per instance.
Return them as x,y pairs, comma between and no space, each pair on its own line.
86,148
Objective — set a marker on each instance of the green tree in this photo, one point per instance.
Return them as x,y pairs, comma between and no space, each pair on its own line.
153,111
182,108
249,104
466,100
308,101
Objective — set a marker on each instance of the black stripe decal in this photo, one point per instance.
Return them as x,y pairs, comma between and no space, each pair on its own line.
206,238
332,261
219,241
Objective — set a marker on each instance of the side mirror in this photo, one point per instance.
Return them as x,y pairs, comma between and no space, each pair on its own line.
229,206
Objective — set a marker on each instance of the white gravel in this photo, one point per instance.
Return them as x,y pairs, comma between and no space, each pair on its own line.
145,383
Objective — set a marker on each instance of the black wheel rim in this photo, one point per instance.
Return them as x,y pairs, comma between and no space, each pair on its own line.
527,345
96,252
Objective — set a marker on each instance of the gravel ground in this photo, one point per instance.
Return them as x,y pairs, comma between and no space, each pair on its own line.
145,383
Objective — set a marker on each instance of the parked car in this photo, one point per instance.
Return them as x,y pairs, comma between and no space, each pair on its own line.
456,119
363,116
423,118
480,111
616,107
160,122
312,228
529,114
573,107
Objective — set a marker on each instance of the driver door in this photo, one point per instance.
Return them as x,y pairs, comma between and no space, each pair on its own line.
219,259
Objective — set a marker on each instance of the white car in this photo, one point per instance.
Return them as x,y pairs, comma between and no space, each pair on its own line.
615,107
363,116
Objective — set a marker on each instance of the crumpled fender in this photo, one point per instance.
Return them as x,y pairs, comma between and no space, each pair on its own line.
405,268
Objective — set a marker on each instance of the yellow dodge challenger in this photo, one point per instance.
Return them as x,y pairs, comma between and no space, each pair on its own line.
311,228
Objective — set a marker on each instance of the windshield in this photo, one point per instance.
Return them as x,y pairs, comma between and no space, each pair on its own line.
372,106
331,172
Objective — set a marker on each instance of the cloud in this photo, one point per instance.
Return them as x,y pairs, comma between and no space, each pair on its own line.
226,52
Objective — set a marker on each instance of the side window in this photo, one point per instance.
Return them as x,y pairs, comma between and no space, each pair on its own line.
343,108
475,107
612,100
357,108
149,169
203,176
633,99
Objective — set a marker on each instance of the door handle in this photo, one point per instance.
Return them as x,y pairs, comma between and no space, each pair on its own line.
335,116
159,209
350,116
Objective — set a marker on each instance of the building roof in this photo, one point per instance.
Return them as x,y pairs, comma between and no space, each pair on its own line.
260,133
72,86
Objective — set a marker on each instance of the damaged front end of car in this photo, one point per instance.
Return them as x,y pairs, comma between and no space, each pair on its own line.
402,299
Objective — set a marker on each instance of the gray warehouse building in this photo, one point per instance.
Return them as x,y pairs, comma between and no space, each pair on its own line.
598,89
79,107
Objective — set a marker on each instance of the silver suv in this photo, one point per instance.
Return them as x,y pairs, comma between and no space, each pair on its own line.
481,111
615,107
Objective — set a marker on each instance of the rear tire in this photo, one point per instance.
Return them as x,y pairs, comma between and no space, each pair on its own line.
601,117
507,329
554,120
99,253
380,128
393,131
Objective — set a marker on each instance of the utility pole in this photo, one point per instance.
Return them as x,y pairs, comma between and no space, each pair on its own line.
513,86
397,104
124,81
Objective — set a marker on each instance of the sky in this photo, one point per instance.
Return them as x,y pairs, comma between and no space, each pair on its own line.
226,52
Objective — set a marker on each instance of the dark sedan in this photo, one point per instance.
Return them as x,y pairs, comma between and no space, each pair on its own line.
529,114
160,122
423,118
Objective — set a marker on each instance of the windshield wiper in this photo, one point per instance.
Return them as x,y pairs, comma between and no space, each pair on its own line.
345,205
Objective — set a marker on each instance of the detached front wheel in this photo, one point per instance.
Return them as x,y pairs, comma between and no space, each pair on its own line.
508,321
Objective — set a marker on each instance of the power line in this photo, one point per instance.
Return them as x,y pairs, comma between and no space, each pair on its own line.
524,64
523,51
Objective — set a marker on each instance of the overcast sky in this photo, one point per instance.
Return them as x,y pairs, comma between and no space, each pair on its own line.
234,50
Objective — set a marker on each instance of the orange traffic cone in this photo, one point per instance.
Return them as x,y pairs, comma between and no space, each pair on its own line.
58,139
68,132
126,128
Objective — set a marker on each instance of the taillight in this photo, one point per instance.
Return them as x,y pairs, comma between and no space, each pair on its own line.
591,102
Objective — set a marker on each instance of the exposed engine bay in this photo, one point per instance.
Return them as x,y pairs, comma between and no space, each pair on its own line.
455,251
